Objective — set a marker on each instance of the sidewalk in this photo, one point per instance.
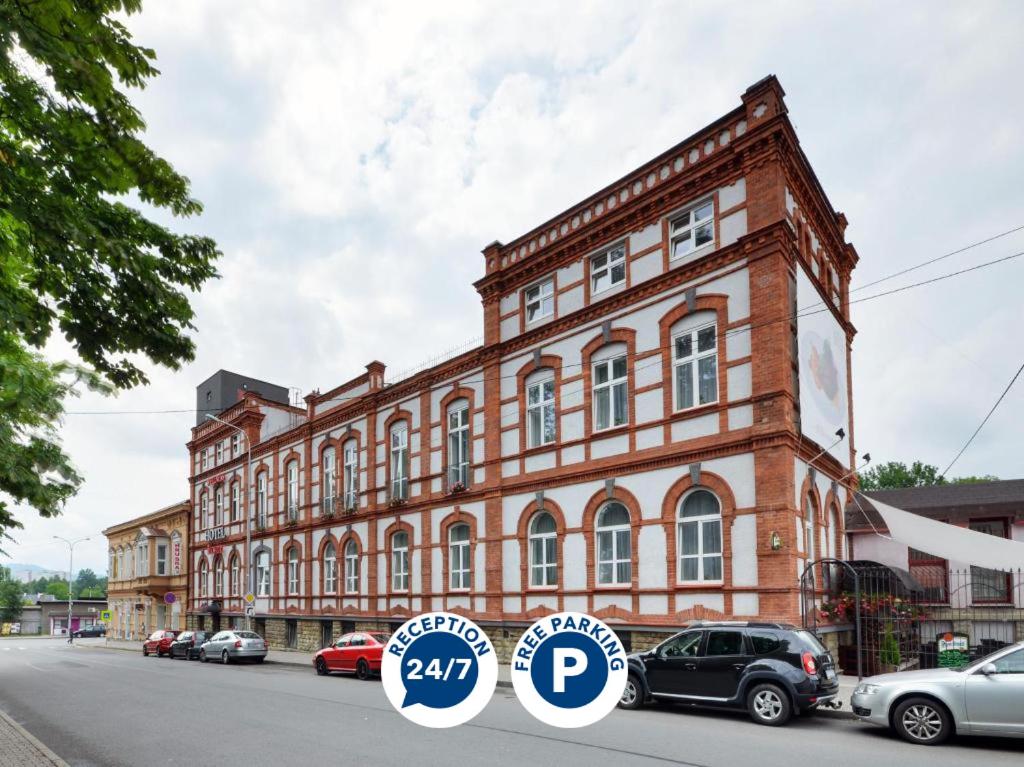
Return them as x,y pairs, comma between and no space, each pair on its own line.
847,683
19,748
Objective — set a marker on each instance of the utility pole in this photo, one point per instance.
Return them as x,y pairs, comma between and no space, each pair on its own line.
71,571
248,500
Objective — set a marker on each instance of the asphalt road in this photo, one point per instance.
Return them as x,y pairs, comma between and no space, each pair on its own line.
95,706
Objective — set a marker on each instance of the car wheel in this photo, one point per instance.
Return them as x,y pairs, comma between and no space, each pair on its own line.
769,705
362,669
145,652
321,667
224,658
922,721
202,656
633,693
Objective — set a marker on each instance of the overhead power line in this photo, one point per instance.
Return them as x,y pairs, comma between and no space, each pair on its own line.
808,311
985,420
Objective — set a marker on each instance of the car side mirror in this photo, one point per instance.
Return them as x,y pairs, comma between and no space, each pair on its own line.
989,669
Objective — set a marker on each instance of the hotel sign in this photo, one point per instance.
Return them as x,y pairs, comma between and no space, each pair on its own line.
216,534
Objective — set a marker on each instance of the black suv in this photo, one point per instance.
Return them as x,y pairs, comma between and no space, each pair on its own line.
770,669
186,645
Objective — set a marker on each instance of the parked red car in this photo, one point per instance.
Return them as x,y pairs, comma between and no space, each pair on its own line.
359,653
159,642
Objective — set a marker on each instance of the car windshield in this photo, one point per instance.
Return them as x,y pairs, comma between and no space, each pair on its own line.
382,638
982,660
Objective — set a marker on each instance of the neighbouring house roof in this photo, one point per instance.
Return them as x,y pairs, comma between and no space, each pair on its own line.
947,503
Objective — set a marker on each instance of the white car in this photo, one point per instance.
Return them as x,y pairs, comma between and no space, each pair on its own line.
985,697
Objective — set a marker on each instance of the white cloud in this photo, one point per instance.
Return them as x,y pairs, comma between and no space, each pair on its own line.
354,158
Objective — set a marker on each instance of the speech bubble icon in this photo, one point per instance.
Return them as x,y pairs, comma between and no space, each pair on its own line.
439,670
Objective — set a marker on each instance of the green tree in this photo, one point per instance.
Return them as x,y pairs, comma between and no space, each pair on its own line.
58,589
895,474
75,256
85,580
10,601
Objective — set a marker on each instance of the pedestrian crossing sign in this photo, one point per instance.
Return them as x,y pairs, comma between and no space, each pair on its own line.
105,616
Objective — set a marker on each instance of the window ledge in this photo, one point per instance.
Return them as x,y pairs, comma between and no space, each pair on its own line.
613,586
697,585
611,430
696,251
696,410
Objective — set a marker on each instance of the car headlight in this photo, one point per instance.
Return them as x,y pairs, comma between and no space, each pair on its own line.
867,689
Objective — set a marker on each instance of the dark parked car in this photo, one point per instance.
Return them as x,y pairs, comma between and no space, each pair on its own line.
186,645
91,631
769,669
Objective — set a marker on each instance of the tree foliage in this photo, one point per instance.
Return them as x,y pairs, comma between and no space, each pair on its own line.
895,474
10,601
75,256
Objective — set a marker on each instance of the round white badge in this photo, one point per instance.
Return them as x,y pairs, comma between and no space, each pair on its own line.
439,669
569,669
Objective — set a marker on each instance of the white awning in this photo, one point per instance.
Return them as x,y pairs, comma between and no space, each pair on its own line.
950,542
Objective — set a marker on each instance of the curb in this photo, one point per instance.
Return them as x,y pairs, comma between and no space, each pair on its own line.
36,743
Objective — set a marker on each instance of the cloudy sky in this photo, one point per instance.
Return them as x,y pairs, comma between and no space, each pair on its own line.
354,158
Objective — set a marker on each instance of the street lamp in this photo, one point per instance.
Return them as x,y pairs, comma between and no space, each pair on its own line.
71,572
248,500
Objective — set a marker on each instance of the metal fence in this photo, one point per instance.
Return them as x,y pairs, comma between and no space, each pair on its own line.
897,620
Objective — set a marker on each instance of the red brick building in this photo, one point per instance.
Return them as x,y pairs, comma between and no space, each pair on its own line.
631,439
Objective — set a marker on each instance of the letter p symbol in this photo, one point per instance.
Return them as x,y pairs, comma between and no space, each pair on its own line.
568,661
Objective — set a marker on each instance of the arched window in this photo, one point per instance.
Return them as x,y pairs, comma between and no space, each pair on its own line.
236,572
218,505
261,500
810,527
218,576
699,538
350,478
113,565
400,461
400,561
204,510
236,501
204,578
120,562
610,387
458,445
458,557
328,484
541,423
330,569
293,490
614,556
543,550
695,361
351,567
263,574
293,571
142,559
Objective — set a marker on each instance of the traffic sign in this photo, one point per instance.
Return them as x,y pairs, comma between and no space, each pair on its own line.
105,616
250,598
170,598
250,611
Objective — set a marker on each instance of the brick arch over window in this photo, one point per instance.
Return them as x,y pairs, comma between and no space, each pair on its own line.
282,570
718,303
547,361
597,502
670,517
457,393
457,517
809,489
352,535
523,533
397,416
389,534
617,335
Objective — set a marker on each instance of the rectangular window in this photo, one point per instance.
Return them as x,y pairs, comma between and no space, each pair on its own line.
610,393
236,502
458,555
400,569
931,572
694,229
220,453
700,547
327,489
399,461
458,448
543,561
614,566
990,585
205,458
161,559
351,474
236,445
540,300
695,367
540,413
351,571
608,269
293,491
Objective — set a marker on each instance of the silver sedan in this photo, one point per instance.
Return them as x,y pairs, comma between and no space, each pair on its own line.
985,697
227,646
